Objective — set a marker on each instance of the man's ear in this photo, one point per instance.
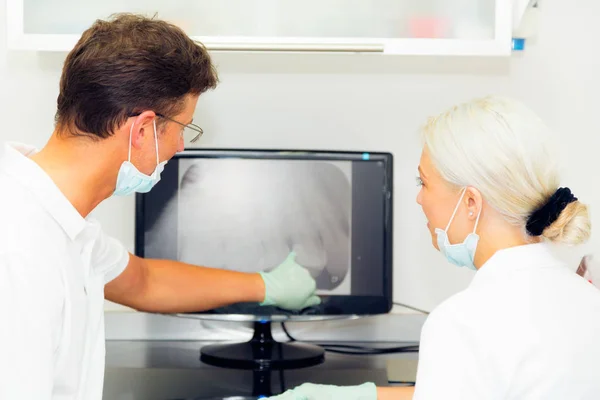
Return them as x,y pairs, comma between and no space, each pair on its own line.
141,128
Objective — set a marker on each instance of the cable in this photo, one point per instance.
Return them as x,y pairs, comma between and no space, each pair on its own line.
410,307
290,337
374,350
357,350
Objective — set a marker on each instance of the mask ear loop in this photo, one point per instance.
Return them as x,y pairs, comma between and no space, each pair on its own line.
155,142
456,209
130,133
477,221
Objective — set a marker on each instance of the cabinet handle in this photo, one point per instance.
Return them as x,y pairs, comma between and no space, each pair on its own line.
301,47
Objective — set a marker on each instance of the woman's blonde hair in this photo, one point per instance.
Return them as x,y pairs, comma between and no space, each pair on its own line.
503,149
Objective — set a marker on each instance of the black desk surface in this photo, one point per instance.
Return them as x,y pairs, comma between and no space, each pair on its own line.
172,370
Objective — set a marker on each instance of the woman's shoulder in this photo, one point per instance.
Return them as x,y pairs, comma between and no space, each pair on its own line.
453,311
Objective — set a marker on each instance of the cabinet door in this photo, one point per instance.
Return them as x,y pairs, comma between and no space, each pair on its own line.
389,26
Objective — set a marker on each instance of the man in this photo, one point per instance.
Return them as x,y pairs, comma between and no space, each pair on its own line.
128,90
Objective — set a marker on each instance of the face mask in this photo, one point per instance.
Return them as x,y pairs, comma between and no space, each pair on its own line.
461,254
130,179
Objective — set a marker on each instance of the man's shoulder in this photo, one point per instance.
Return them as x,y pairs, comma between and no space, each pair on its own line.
12,189
21,214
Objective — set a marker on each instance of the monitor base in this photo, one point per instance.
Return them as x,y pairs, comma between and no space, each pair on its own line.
262,353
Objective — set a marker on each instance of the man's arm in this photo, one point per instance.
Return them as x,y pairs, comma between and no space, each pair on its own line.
166,286
395,393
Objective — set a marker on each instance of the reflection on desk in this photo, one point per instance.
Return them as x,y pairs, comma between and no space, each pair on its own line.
172,370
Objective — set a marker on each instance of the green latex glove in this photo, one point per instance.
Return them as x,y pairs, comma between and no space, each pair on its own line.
310,391
290,286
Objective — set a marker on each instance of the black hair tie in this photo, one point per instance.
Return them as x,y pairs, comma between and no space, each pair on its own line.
545,216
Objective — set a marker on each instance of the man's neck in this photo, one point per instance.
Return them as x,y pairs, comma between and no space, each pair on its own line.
84,171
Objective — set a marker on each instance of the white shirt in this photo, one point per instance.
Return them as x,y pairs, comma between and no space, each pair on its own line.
526,328
53,268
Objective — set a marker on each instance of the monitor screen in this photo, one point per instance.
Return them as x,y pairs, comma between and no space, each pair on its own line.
246,210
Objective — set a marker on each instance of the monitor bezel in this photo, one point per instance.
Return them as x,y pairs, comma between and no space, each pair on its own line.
362,305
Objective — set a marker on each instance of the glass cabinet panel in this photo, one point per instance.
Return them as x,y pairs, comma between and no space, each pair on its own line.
451,19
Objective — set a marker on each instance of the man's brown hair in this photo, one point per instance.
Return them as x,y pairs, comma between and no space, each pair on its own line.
126,65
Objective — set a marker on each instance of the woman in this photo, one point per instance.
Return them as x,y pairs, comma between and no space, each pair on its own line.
527,327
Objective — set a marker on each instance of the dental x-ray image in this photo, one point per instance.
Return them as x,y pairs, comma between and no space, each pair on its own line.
249,214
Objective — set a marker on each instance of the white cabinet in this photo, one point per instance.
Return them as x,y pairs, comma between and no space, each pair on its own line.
415,27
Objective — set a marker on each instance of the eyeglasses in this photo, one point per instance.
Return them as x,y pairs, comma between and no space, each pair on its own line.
193,127
198,131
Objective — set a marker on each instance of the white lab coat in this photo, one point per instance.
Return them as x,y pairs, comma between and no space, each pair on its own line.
53,268
526,328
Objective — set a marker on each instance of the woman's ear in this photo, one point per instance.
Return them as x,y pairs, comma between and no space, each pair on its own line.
474,202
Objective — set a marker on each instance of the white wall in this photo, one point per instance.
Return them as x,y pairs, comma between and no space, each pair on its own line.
366,102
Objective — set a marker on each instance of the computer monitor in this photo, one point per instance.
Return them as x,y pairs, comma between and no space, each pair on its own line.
246,210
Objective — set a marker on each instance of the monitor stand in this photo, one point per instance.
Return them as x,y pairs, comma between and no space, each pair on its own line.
262,353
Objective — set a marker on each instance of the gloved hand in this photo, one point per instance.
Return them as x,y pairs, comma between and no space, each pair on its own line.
310,391
289,286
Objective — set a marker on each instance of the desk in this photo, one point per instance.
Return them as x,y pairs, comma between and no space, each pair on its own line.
172,370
